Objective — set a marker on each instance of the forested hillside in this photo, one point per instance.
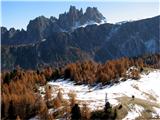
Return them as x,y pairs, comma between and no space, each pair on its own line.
21,88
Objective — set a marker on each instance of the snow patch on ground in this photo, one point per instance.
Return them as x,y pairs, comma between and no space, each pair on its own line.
156,114
94,97
134,112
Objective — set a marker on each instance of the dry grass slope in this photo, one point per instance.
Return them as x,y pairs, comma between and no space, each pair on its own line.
147,105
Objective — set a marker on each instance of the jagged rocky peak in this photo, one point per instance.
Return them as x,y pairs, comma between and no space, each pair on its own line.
41,20
72,9
94,15
76,17
53,19
12,32
22,30
81,11
3,30
41,27
37,27
67,21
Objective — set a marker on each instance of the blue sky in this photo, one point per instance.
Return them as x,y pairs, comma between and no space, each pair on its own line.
17,13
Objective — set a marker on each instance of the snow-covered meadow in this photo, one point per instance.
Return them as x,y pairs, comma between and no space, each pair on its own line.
146,88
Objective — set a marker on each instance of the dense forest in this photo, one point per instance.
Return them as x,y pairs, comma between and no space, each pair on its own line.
21,98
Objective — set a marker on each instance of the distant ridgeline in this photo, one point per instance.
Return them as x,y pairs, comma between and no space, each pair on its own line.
77,36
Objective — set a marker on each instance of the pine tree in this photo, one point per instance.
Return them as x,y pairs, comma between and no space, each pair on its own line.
7,78
67,73
43,111
2,110
75,112
72,97
107,108
56,103
11,111
48,94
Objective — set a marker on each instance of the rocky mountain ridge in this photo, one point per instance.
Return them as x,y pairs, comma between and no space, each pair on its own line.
95,42
42,27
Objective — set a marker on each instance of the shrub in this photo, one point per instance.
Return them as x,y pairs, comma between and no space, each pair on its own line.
85,112
98,114
72,97
135,74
